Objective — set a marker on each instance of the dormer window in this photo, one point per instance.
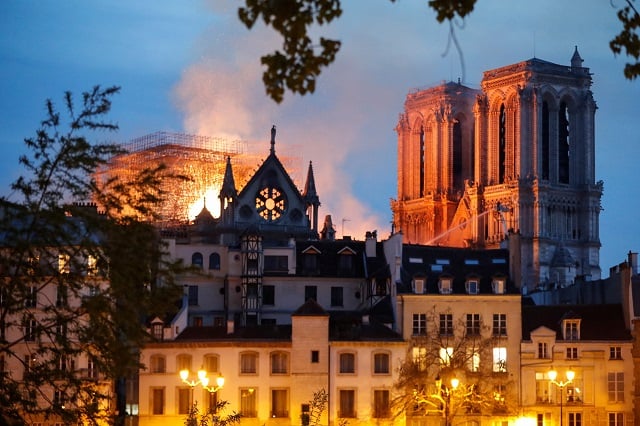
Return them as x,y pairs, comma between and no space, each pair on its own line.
472,286
571,329
418,286
346,262
498,285
445,285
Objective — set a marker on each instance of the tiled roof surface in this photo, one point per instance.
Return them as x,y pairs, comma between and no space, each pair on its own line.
597,322
461,264
342,327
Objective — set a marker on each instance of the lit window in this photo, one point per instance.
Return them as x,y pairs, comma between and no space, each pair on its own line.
445,285
498,285
419,357
419,324
92,265
473,359
248,402
446,354
64,263
499,360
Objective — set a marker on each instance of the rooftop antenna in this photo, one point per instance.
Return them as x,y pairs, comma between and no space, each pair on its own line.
534,44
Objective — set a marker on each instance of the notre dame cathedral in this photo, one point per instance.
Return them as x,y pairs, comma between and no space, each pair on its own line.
512,163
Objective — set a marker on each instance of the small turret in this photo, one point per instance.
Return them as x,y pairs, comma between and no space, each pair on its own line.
576,60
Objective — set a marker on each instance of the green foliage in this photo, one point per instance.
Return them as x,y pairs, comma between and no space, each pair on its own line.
300,62
215,416
298,65
77,279
628,39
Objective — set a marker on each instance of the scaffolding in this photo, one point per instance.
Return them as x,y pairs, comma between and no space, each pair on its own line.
202,159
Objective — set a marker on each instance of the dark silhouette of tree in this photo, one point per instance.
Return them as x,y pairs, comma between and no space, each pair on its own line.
215,416
301,60
77,280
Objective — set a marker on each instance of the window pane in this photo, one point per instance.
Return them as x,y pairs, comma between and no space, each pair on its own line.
248,363
248,402
381,403
347,404
279,403
158,401
381,363
347,363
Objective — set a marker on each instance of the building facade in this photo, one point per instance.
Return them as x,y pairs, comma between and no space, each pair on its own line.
595,344
515,157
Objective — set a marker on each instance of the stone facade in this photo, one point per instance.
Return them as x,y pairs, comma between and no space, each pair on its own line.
516,157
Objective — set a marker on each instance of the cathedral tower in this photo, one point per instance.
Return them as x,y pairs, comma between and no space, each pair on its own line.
513,161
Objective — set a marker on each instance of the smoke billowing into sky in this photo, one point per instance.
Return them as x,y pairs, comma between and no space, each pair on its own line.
191,66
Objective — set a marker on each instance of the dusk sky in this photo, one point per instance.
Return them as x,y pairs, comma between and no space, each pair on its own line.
190,66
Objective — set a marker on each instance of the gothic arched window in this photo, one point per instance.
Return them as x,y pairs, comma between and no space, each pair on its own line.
564,144
502,144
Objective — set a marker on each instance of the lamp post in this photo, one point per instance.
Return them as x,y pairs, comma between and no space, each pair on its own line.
202,380
553,375
444,396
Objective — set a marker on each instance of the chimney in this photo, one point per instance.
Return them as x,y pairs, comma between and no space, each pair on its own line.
371,239
230,327
633,262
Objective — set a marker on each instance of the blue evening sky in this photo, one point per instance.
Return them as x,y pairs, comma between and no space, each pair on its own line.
190,66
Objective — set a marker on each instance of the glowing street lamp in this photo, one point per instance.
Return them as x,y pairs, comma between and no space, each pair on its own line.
553,375
444,395
202,380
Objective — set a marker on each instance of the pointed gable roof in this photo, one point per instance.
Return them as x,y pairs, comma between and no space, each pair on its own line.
228,188
309,193
272,171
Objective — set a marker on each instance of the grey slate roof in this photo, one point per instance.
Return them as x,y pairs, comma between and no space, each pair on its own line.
598,322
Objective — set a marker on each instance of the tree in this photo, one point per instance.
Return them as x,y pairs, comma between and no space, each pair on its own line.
215,416
297,66
450,371
76,279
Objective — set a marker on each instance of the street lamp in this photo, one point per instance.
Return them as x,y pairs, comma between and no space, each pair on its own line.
202,379
444,395
553,375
